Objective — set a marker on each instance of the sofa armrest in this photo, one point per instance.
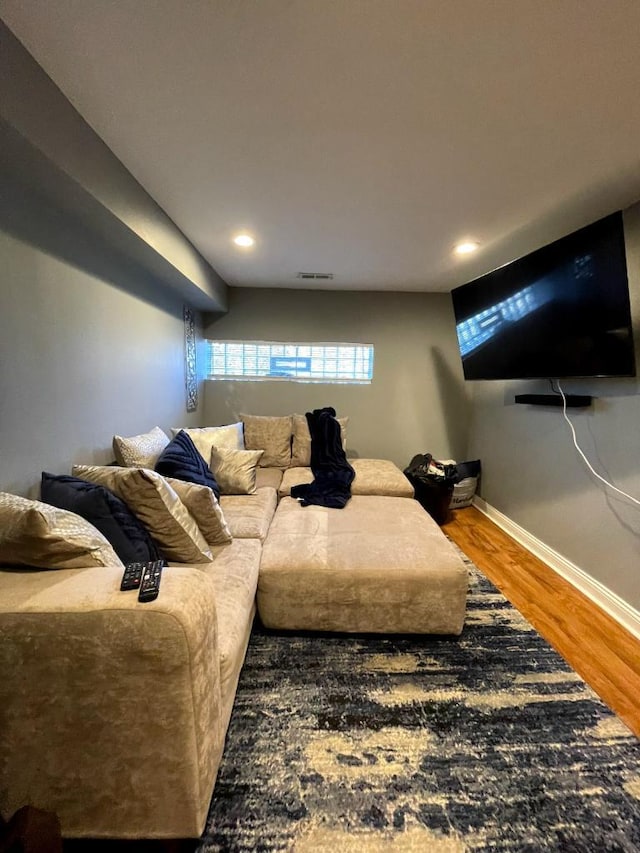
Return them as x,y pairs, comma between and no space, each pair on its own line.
109,709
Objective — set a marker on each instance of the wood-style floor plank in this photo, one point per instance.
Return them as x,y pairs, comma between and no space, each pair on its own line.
605,654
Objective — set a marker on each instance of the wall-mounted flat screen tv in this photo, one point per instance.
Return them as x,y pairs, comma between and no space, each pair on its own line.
562,311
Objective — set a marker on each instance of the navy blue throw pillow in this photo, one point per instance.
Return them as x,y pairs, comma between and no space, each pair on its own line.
127,535
182,460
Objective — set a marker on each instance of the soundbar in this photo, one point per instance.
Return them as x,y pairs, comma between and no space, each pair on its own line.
574,401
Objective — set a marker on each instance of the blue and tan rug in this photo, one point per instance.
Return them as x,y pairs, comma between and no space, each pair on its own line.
376,744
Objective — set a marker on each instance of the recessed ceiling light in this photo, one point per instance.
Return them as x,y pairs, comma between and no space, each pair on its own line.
244,240
466,247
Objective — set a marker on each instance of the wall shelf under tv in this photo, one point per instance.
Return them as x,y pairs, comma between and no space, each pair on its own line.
574,401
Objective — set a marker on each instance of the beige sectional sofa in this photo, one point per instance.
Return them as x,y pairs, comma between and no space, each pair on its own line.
113,713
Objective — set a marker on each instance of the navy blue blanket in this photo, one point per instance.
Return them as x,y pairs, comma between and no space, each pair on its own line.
332,473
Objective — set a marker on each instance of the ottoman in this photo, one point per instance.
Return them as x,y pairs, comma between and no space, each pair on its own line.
379,565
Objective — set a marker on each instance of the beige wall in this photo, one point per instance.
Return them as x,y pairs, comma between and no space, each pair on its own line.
89,347
533,474
417,400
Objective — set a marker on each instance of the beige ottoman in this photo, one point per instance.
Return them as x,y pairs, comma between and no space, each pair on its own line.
379,565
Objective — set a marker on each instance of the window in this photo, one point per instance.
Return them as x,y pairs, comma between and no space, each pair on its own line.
259,360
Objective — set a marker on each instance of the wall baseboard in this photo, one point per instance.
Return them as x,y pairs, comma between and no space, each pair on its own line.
599,594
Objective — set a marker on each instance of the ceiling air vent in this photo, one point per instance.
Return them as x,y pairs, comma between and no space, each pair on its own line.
316,276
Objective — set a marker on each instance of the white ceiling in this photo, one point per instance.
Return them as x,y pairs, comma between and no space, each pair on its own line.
358,137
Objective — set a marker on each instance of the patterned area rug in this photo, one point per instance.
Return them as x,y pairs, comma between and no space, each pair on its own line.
376,744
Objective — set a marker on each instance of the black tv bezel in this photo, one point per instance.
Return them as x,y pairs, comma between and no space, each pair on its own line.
613,221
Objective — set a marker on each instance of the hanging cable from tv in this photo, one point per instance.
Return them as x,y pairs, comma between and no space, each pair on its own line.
584,458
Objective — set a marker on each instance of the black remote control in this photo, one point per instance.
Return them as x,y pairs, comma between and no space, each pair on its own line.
132,576
150,586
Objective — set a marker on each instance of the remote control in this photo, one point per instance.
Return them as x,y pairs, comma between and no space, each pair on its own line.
132,576
150,586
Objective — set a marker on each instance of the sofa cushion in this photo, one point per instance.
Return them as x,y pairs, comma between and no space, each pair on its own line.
140,451
271,477
373,477
235,470
150,497
109,514
203,505
301,441
234,576
33,533
271,434
181,460
204,438
249,516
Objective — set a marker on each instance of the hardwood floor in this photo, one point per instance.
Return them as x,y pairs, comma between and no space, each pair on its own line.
597,647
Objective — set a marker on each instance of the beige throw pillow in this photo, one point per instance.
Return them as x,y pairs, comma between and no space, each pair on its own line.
301,446
271,434
151,499
205,509
140,451
235,470
36,534
205,438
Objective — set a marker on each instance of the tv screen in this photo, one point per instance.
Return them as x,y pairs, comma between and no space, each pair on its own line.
562,311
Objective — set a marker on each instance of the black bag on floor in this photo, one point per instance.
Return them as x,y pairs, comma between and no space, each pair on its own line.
432,491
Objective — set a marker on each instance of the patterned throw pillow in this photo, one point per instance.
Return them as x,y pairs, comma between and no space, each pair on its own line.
109,514
271,434
235,470
36,534
140,451
182,461
150,497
